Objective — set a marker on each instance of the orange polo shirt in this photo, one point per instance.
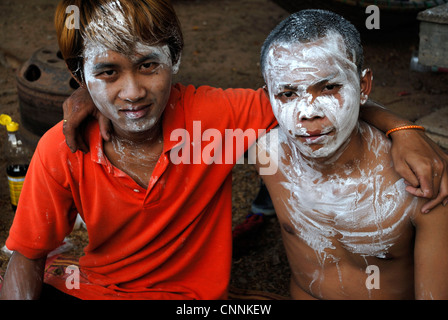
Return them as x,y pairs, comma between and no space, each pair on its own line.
169,241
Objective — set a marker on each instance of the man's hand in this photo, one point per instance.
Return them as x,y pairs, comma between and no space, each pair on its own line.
416,158
423,165
77,108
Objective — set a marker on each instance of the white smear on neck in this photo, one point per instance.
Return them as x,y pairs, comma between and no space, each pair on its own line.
351,210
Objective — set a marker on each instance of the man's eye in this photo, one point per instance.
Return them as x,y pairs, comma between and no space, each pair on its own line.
107,73
331,87
148,66
286,94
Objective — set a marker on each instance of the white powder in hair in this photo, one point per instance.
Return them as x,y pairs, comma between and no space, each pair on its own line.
359,207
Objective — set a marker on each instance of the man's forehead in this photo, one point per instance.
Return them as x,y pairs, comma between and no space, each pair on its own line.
298,70
315,79
320,58
98,52
287,47
288,53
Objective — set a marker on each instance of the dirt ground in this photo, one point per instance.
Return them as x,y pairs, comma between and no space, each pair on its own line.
222,42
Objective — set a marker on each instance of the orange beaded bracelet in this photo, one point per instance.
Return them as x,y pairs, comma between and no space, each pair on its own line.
404,128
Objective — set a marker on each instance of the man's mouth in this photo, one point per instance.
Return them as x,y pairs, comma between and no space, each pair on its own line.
135,112
315,136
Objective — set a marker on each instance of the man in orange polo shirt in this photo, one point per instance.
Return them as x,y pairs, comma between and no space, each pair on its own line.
165,238
156,195
157,230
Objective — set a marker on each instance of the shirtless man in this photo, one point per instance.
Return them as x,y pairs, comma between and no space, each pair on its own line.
158,228
350,229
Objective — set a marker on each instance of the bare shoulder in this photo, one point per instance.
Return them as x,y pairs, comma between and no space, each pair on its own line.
436,219
430,254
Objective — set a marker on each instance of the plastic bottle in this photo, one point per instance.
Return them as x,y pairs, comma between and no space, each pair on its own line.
417,66
18,155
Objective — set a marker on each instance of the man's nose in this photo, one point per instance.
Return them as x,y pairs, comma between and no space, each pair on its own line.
309,117
132,90
309,112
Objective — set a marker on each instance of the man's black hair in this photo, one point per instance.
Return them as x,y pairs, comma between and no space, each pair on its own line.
310,25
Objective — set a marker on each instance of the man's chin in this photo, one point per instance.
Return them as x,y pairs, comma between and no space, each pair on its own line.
318,152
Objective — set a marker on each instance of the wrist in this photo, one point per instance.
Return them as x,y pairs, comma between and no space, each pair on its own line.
405,129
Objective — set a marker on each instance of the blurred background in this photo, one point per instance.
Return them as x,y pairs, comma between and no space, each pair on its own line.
222,43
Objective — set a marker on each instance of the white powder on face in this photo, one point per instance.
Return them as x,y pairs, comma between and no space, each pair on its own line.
301,66
95,51
102,96
357,208
365,214
112,29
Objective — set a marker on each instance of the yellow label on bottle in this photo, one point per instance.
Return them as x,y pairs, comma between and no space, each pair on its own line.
15,187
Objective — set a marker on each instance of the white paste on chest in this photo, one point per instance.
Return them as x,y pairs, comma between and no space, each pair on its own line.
363,214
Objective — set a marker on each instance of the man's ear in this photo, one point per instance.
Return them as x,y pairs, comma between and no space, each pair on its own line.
366,84
266,91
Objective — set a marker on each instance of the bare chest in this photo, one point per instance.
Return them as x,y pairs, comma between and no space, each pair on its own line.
364,216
